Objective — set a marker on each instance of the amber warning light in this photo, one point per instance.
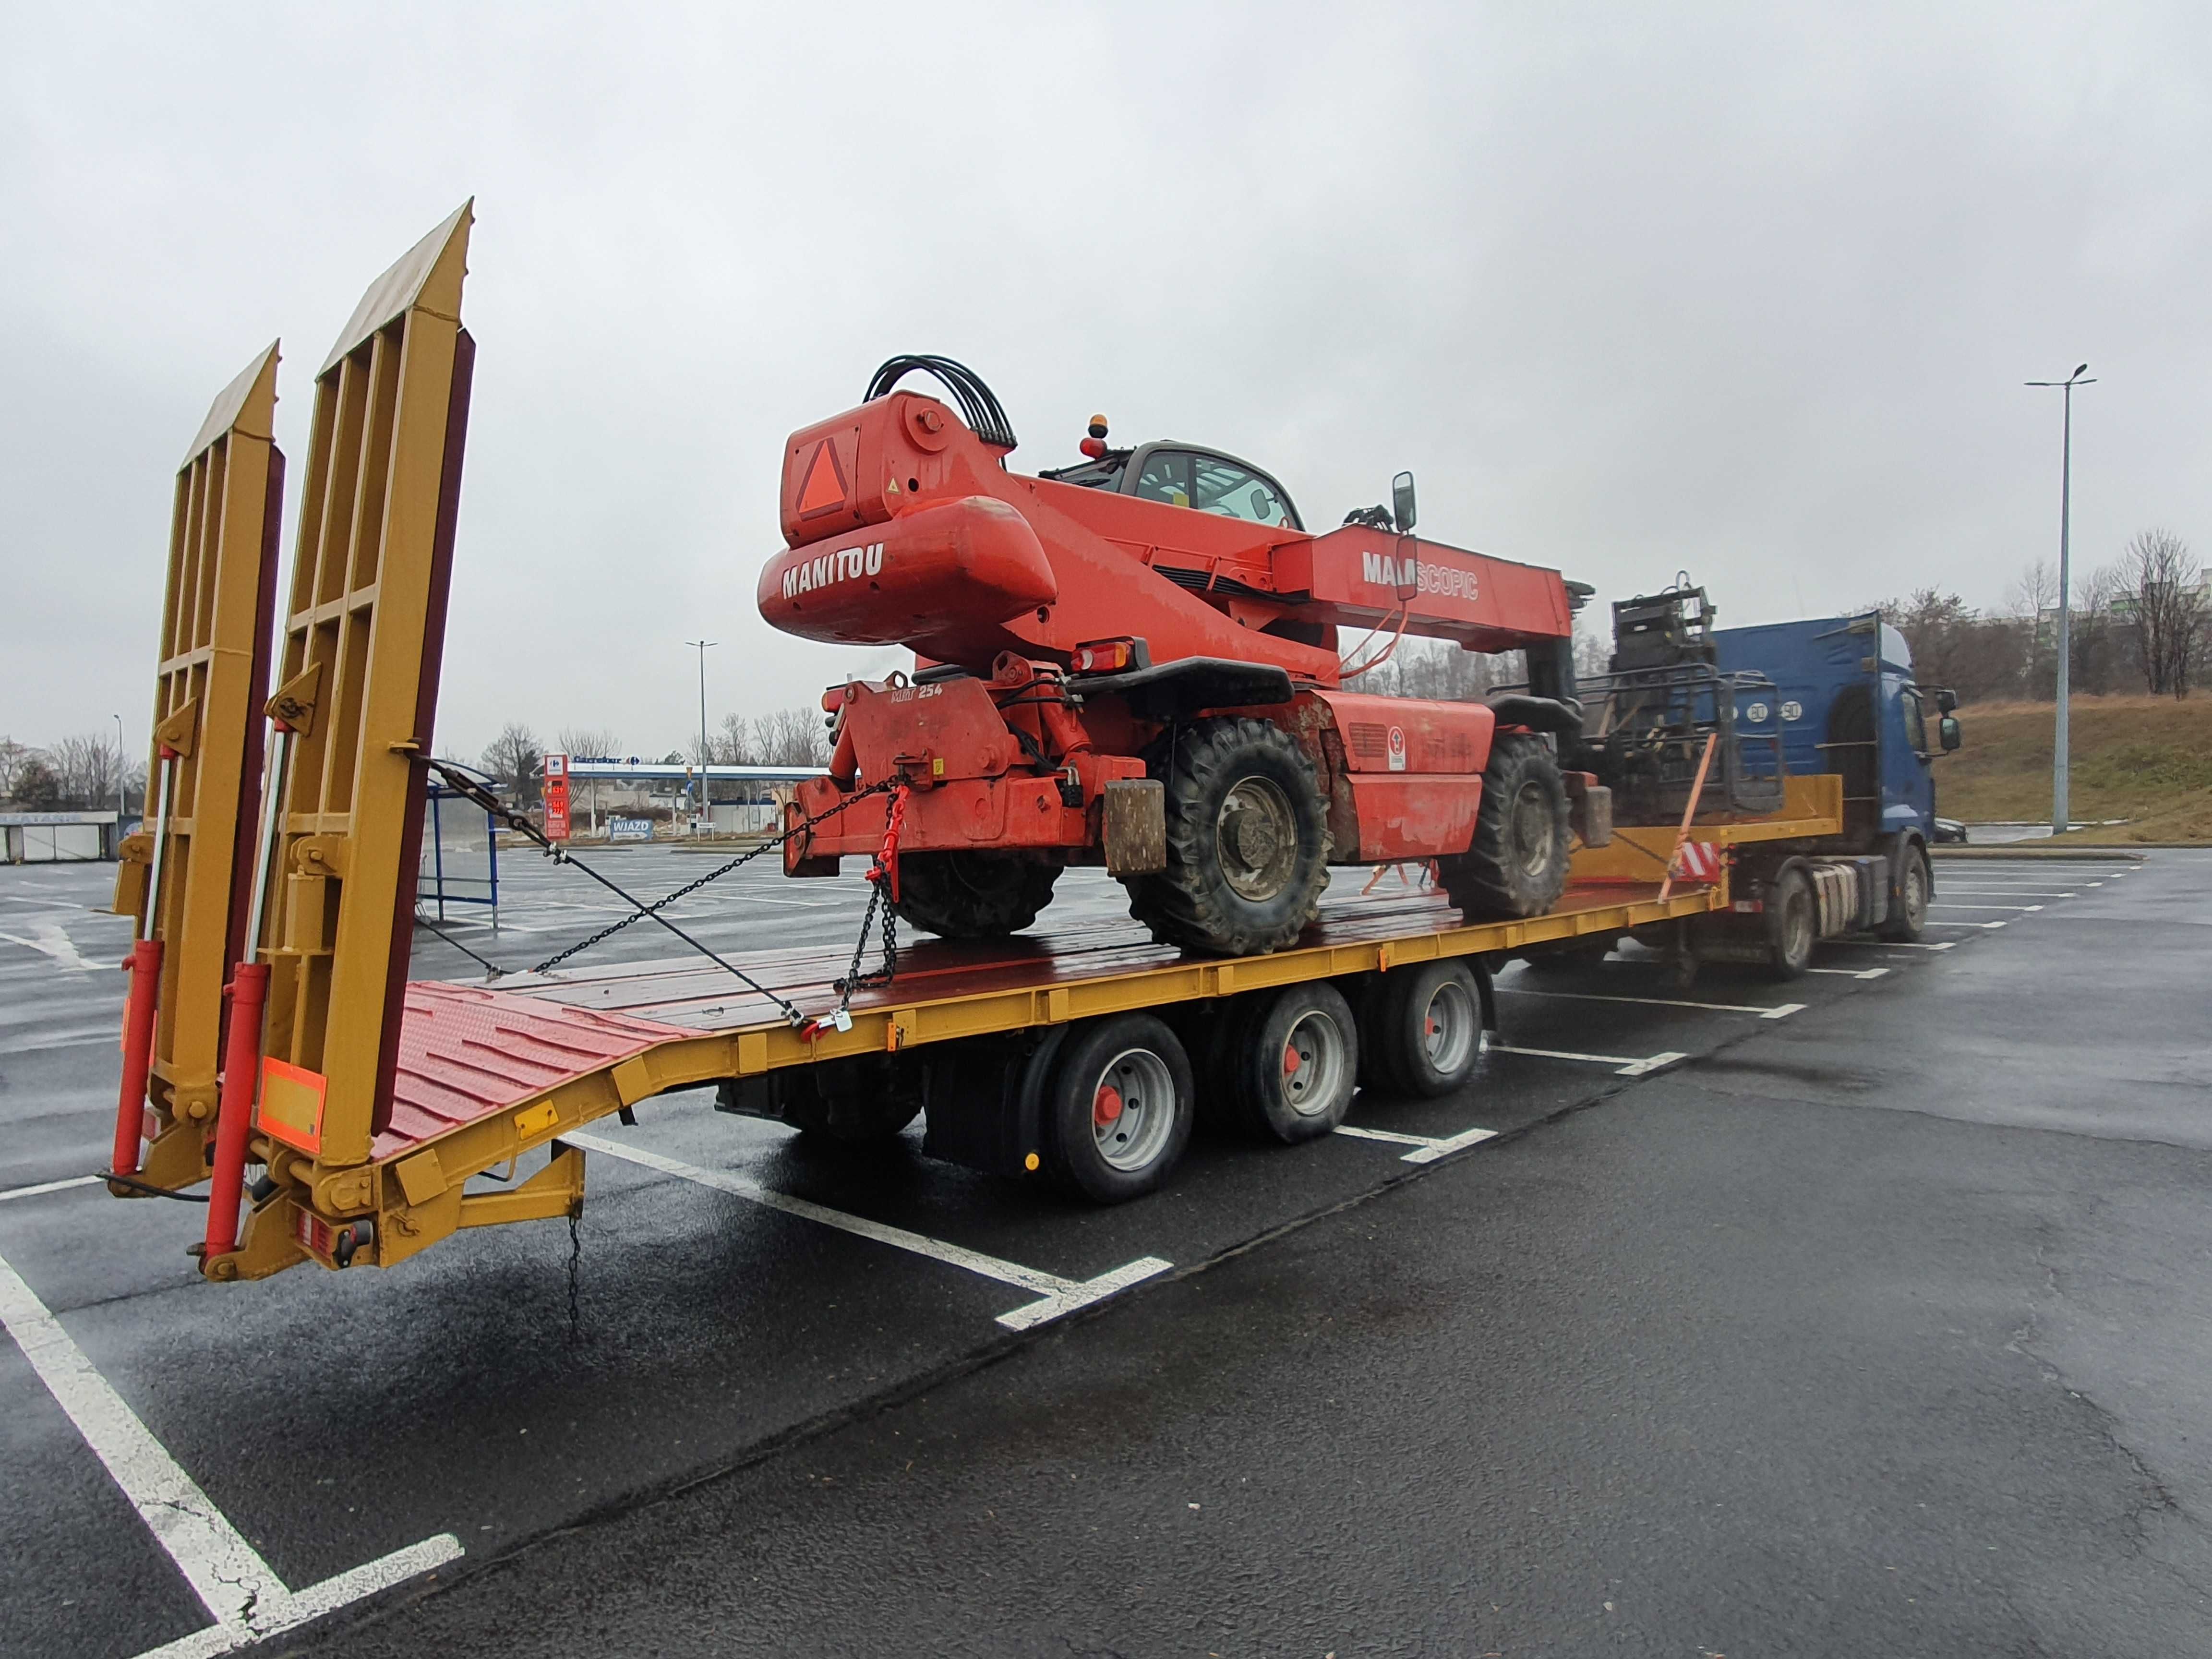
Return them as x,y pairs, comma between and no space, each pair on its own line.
1104,656
1094,445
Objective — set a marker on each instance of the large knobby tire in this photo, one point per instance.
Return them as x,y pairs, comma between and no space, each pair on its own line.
1116,1110
1248,840
1518,864
1294,1070
1915,883
973,895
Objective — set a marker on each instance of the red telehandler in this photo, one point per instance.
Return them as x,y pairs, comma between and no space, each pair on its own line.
1134,661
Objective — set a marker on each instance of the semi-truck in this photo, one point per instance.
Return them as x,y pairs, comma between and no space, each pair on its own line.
276,1048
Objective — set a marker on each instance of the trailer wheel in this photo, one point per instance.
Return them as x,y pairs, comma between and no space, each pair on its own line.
1913,887
1248,840
1117,1109
973,895
1518,864
1424,1032
1793,922
1294,1071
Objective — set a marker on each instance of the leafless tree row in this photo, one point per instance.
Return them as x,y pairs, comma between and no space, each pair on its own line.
78,774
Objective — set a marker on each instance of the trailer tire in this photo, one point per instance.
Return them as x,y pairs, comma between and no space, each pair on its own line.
1793,922
1518,866
1117,1108
1295,1069
1248,840
1908,917
970,895
1424,1031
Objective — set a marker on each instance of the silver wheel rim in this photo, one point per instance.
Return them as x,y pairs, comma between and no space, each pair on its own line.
1256,838
1449,1026
1133,1106
1916,893
1797,925
1313,1065
1532,827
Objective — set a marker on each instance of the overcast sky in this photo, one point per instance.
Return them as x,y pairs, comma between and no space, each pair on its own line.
1749,289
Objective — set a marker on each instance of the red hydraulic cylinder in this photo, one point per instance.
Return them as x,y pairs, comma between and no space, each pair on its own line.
241,1069
145,965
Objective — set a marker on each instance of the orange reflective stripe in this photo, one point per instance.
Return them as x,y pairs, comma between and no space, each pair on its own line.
824,489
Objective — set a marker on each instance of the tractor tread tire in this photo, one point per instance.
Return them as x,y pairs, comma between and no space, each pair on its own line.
967,894
1490,878
1190,904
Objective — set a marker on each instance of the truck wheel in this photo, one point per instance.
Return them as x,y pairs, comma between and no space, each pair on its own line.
1248,840
1424,1030
973,895
1913,886
1793,923
1295,1071
1518,864
1118,1109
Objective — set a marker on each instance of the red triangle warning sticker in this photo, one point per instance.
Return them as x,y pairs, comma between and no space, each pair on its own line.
823,491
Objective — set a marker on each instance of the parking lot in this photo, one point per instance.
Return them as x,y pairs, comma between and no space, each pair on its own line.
1702,1322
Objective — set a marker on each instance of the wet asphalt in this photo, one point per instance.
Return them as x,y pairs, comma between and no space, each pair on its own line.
1881,1325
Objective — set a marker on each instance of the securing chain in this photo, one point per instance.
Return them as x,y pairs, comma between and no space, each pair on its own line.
474,790
882,898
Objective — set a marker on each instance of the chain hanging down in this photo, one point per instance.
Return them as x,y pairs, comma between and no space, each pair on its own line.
883,897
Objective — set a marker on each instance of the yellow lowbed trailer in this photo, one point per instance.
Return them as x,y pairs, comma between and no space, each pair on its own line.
275,885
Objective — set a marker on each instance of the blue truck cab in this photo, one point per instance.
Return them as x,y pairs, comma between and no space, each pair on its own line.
1848,703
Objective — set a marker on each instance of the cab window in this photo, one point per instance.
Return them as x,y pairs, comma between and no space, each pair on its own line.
1165,478
1231,491
1916,721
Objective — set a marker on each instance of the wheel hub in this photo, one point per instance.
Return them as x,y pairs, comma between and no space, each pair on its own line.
1256,836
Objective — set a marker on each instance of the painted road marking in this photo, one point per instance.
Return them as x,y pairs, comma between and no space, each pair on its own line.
2016,892
1623,1065
1904,943
1932,922
2025,908
1851,973
75,1037
1059,1295
48,1187
47,938
1782,1012
1427,1149
242,1591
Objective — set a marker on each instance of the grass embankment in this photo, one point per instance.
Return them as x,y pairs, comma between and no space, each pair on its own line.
2147,760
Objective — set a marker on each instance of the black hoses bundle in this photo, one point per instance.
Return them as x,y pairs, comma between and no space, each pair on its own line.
979,406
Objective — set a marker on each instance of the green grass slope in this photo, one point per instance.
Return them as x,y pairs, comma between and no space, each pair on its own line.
2145,759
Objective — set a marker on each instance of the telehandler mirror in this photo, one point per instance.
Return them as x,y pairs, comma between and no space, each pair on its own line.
1401,502
1946,700
1947,732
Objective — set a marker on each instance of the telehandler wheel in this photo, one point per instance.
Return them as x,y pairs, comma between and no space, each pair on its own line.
973,895
1248,840
1117,1108
1423,1031
1913,887
1518,864
1293,1073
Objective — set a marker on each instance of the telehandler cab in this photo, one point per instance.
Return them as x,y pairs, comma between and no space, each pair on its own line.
1134,661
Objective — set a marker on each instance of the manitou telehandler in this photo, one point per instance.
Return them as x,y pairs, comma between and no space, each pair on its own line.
1134,661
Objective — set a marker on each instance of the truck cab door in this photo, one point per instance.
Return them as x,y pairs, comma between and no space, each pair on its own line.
1907,763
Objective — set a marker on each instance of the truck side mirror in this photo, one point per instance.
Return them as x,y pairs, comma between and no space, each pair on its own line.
1401,502
1946,700
1947,731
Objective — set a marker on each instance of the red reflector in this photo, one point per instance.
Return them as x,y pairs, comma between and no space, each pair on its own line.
823,491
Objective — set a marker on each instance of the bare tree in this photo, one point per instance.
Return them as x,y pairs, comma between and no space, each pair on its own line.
87,768
589,743
14,757
734,745
2169,597
2097,647
790,736
38,788
517,759
2033,601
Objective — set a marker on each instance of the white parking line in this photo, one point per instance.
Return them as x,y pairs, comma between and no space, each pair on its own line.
1782,1011
1851,973
1904,944
48,939
2020,892
1427,1149
1061,1296
1624,1064
2025,908
48,1187
1932,922
242,1591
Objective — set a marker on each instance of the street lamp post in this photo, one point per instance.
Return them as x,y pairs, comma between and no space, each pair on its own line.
2060,813
120,770
705,754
